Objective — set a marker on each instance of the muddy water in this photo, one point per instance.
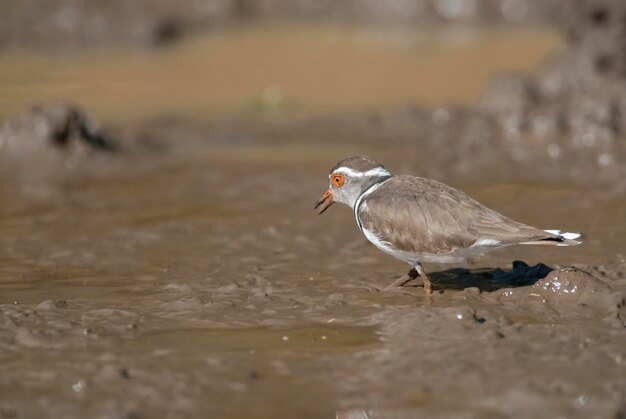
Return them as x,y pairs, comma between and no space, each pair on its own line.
195,280
275,70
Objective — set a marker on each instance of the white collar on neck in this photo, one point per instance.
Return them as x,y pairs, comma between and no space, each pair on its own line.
357,204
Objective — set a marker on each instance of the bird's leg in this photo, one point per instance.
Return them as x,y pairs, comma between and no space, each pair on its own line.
404,279
428,286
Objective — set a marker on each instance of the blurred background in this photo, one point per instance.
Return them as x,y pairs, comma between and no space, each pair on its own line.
159,159
208,59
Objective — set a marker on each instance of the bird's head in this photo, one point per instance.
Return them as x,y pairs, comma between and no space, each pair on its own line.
349,178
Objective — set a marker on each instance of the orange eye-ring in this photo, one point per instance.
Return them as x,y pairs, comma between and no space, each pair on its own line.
337,180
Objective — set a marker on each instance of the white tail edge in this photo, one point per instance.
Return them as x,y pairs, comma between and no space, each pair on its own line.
564,234
569,239
564,239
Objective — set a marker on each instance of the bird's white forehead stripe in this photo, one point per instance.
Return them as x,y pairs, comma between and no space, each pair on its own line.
379,171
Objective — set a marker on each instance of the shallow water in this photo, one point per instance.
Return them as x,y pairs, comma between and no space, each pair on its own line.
276,70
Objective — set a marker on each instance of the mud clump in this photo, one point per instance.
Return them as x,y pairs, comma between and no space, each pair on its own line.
569,289
44,147
60,126
572,286
574,109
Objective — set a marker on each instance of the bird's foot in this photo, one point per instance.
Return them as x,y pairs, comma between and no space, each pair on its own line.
400,282
428,286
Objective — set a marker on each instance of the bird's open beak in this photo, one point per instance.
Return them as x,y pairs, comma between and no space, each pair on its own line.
326,201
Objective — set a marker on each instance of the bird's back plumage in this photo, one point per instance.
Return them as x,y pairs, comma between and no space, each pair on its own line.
421,216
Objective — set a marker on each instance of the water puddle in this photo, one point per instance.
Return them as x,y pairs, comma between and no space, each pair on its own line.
303,340
276,70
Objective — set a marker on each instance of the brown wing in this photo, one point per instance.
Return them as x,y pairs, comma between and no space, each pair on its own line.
428,217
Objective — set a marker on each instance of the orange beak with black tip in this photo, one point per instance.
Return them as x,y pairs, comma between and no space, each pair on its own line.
325,202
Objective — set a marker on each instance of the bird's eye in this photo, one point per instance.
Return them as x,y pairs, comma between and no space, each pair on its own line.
338,180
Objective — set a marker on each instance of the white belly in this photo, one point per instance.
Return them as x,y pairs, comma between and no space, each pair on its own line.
456,256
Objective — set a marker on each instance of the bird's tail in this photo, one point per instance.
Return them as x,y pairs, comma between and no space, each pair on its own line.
561,238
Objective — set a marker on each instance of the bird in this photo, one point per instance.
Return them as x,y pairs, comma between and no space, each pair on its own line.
420,220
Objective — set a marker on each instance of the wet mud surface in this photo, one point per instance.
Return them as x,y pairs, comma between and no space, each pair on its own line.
184,273
197,278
